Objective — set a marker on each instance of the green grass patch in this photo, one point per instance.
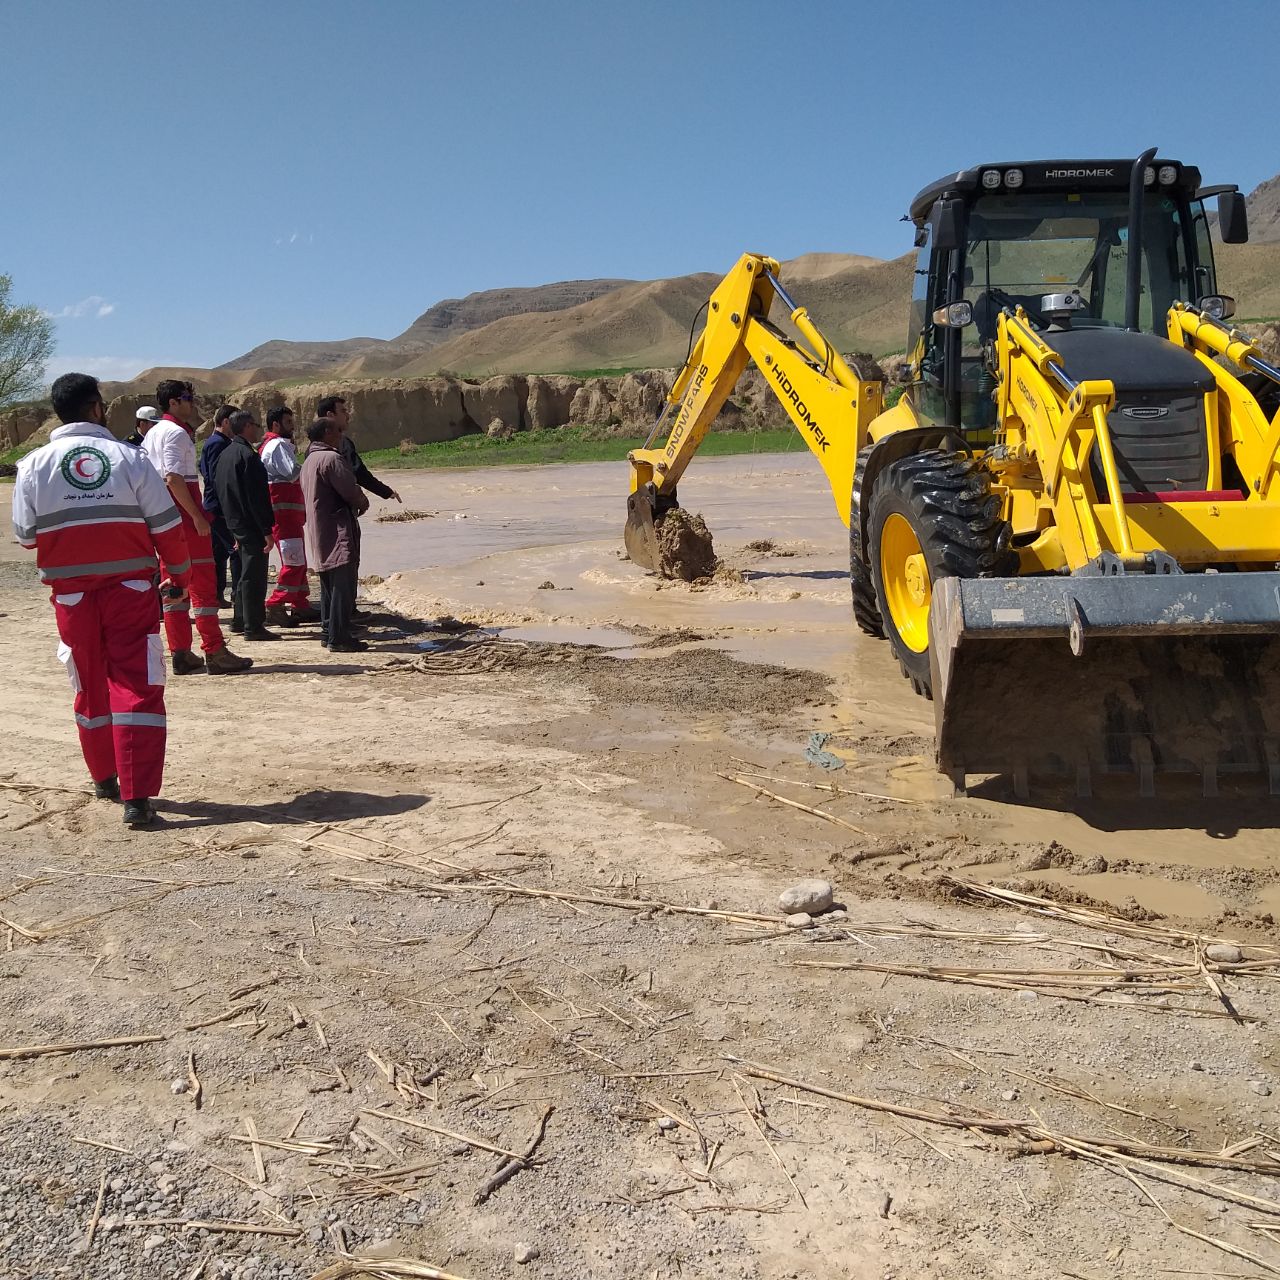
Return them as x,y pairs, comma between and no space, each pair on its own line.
620,372
568,444
18,451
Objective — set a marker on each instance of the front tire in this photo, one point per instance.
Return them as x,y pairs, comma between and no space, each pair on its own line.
866,613
932,515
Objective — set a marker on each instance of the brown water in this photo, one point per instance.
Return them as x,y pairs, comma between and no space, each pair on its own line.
500,533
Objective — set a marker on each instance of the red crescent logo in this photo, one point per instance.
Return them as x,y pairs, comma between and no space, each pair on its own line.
78,468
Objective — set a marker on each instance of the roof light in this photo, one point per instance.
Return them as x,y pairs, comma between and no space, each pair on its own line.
991,179
1148,177
1013,179
1168,175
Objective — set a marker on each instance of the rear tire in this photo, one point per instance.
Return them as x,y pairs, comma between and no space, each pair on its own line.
932,515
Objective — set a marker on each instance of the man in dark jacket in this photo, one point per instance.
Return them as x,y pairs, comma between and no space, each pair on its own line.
334,501
240,480
335,409
224,551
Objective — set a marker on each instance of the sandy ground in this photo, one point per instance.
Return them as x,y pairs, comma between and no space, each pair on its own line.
498,891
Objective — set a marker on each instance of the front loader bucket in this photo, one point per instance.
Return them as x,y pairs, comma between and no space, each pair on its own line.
639,536
1080,676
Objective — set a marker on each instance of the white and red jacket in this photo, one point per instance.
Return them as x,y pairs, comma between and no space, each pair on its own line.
280,459
95,512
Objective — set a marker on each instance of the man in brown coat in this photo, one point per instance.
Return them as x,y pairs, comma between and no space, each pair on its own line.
334,501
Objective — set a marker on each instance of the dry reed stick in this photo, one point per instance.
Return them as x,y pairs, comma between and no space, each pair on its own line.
97,1214
75,1046
508,1169
1053,992
478,1143
773,1151
383,1269
1003,1127
795,804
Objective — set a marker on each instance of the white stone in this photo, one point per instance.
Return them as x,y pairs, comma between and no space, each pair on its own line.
527,1253
813,896
799,920
152,1243
1223,953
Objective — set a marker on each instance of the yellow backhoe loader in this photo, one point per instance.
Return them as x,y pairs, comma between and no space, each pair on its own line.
1068,527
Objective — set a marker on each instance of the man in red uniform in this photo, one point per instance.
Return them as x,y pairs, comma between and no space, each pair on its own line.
96,515
171,448
290,601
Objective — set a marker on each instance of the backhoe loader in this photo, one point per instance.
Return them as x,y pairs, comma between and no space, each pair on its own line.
1068,527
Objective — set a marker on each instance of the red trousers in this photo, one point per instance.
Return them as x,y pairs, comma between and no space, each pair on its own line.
115,661
203,590
291,582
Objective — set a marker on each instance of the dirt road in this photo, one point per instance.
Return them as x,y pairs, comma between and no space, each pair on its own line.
496,894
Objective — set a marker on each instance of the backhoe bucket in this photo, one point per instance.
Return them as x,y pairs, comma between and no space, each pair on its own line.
639,536
1080,676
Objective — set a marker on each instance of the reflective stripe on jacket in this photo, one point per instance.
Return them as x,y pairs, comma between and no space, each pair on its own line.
94,511
280,458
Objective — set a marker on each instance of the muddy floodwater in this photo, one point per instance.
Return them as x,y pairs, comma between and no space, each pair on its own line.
499,535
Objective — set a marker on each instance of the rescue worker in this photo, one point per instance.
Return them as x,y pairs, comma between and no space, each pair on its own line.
171,447
97,515
290,602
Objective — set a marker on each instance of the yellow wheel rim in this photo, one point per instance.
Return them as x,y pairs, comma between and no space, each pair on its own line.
905,578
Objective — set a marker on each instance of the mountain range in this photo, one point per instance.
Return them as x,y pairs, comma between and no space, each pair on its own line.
580,325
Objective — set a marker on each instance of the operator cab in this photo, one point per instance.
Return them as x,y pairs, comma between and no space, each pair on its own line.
1053,238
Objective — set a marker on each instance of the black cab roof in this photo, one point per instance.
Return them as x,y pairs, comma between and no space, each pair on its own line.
1041,176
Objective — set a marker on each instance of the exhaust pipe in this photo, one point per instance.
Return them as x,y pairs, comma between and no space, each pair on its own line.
1133,277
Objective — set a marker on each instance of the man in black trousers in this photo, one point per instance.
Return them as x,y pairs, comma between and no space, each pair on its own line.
245,499
224,551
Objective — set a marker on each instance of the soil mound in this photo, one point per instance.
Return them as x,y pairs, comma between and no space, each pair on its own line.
685,549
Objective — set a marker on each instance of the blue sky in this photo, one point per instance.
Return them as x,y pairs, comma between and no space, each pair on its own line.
184,181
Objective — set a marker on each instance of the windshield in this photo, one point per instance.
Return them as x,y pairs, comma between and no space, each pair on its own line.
1023,247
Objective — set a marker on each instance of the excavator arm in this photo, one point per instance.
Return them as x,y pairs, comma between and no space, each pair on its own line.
826,401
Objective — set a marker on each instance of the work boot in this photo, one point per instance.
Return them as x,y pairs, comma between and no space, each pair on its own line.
278,616
261,634
305,613
348,646
185,663
139,813
108,789
225,663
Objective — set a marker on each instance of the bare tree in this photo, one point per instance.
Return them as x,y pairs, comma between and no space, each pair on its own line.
26,343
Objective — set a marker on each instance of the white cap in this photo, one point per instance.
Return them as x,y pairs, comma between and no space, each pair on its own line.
148,413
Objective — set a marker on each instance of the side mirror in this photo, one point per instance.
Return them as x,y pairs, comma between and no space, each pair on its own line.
1218,306
955,315
946,221
1233,218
